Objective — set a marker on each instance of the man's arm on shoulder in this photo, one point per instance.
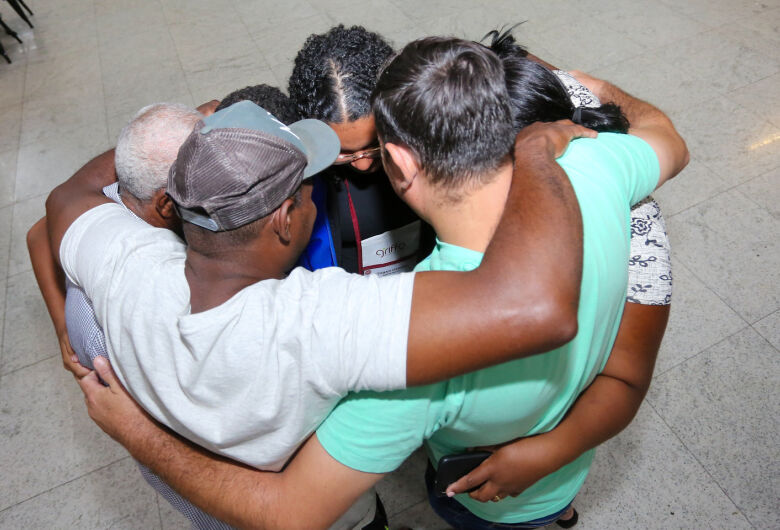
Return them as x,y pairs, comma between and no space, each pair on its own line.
523,298
312,491
76,195
647,122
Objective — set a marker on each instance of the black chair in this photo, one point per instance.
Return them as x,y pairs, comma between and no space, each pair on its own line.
9,31
16,5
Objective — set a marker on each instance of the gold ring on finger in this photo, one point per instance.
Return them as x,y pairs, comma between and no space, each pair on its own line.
496,498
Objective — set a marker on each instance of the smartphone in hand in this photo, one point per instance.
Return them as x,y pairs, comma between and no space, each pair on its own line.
453,467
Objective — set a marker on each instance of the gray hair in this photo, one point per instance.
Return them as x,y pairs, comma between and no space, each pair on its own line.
148,145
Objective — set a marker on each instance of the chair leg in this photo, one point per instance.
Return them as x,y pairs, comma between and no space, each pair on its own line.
2,53
19,11
25,6
9,30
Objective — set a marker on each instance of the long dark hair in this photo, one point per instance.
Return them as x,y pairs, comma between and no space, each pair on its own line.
537,94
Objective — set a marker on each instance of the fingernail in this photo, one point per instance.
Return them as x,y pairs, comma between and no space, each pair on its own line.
73,359
450,494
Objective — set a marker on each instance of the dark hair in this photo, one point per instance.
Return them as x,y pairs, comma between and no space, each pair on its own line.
335,73
269,97
537,94
446,100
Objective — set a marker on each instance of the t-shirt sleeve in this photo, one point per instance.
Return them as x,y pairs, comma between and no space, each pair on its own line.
360,327
88,251
375,432
622,160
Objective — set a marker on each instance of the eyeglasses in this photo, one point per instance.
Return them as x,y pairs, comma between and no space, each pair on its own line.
348,158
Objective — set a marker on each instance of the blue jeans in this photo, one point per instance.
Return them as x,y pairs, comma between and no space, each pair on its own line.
458,516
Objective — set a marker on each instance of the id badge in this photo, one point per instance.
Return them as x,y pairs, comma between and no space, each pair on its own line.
391,252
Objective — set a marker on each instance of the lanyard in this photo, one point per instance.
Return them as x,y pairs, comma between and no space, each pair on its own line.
356,228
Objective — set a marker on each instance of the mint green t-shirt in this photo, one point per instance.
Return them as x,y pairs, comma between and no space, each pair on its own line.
376,432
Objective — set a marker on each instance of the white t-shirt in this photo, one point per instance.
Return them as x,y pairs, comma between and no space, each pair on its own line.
253,377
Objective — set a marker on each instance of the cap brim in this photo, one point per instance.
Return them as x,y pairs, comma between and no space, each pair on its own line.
321,142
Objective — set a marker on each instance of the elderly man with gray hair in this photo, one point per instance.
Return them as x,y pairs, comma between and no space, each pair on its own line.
146,148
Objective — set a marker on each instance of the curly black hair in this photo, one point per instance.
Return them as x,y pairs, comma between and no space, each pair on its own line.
269,97
335,73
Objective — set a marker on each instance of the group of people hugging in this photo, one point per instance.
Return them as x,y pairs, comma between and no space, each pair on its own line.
450,246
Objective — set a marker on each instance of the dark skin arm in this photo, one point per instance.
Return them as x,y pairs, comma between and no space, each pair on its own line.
604,409
539,237
51,282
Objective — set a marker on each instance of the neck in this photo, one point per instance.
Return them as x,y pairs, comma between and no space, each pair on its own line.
134,204
471,221
215,279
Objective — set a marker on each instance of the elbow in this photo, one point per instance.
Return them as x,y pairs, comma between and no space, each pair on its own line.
563,325
554,323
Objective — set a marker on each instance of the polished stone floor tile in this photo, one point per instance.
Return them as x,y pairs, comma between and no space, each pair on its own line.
698,319
12,126
49,120
645,478
695,184
720,60
653,25
372,14
769,328
266,17
80,37
722,405
44,164
12,83
176,11
718,12
761,98
171,518
29,336
420,517
71,73
279,49
47,436
749,149
586,45
115,496
230,75
764,190
7,177
6,217
663,83
25,214
729,244
133,17
404,487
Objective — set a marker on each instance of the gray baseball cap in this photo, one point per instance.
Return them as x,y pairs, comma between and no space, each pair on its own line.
241,163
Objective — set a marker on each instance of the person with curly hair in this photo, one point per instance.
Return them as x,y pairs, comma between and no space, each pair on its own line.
362,226
269,97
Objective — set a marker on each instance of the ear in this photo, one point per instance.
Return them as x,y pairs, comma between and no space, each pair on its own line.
163,205
282,221
406,162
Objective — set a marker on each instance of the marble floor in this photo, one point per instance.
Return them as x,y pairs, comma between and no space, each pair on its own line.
703,451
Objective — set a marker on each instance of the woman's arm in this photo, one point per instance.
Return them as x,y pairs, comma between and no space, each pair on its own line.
604,409
51,282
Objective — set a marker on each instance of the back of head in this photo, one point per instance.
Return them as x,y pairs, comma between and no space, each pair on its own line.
269,97
446,100
148,145
335,73
537,94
